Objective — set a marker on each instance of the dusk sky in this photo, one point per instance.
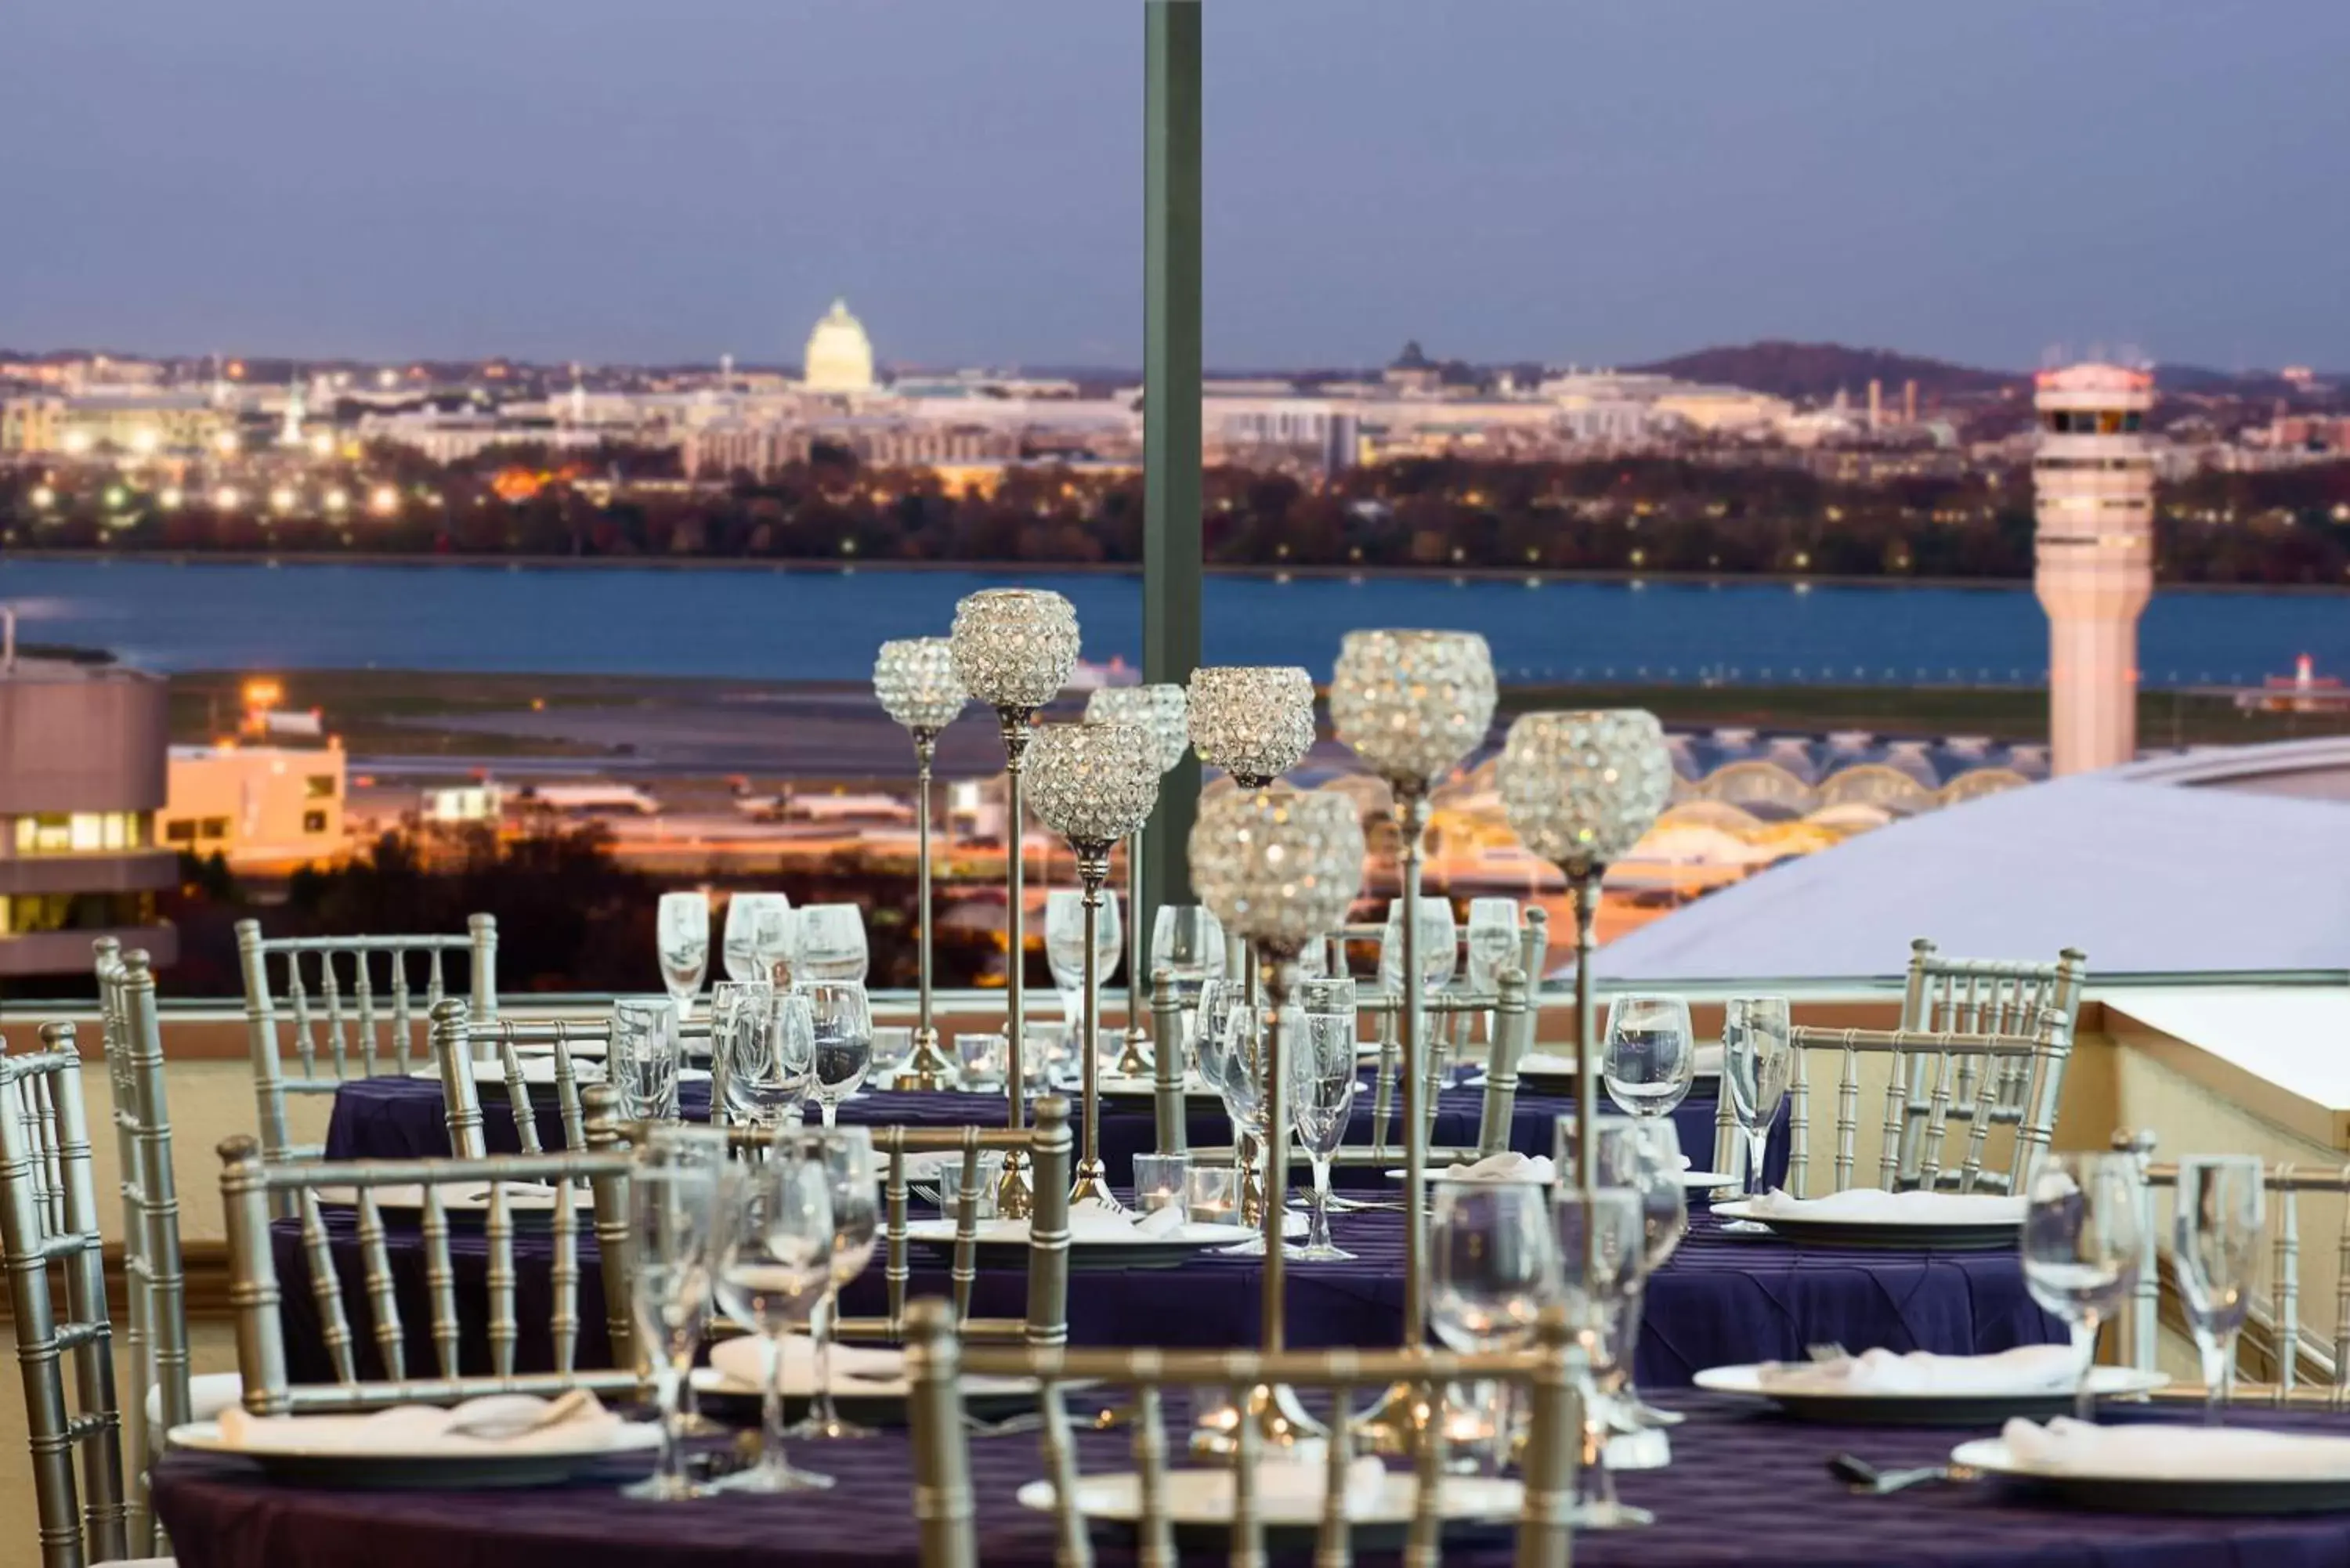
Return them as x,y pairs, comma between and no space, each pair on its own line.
1500,179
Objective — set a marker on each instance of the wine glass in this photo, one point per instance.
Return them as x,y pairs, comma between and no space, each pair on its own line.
851,1175
682,933
2083,1239
1065,946
1187,940
1211,1035
728,1000
775,1264
1438,942
1492,946
1656,1174
758,933
831,943
1758,1058
1600,1246
842,1023
1493,1264
673,1190
1321,1058
643,1061
1248,1034
770,1055
2217,1239
1650,1056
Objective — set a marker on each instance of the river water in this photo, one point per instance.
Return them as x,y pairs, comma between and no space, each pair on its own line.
809,624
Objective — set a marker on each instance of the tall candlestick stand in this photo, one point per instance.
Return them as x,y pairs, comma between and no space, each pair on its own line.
915,679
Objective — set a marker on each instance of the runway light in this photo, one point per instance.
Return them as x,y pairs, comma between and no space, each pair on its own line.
146,440
224,443
77,442
168,497
384,502
115,495
227,499
336,500
43,497
282,499
322,445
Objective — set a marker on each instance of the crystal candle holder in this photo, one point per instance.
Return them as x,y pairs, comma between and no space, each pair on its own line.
1212,1194
1254,721
1164,711
1411,704
1159,1181
1580,788
1278,865
915,679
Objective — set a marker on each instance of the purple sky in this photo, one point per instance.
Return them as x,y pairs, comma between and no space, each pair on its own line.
671,178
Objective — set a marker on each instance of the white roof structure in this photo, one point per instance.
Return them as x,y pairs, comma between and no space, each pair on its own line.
2200,863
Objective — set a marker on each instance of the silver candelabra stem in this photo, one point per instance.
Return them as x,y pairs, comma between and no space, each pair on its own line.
1012,1197
1092,1182
929,1068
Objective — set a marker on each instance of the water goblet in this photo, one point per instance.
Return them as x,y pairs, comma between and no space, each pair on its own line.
643,1062
728,1000
1187,940
830,943
681,934
1321,1083
2217,1241
842,1021
2083,1242
1493,1266
758,932
1758,1060
1600,1246
1650,1059
770,1057
846,1155
774,1264
673,1194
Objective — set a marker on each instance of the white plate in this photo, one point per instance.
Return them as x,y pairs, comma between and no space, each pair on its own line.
1936,1408
1896,1233
1696,1180
2163,1494
541,1464
1125,1086
462,1198
799,1383
1197,1497
1014,1233
539,1071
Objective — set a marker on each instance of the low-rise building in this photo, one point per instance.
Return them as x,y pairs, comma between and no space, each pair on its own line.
259,807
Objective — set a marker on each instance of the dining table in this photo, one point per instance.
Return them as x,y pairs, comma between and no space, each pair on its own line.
1746,1486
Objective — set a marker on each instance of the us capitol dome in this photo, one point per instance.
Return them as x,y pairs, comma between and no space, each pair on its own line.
839,356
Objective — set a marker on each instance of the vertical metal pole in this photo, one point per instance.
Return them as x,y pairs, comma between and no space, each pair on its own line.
1170,413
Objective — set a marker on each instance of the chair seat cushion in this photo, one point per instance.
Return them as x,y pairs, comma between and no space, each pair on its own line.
209,1394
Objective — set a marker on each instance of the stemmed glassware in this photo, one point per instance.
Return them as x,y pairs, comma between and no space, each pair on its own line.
682,933
1438,944
831,943
1064,948
1247,1045
1187,940
1599,1249
1650,1164
769,1054
1758,1060
1493,1266
841,1021
1492,947
845,1155
2083,1240
673,1196
1650,1059
643,1062
774,1262
759,929
1322,1095
2217,1241
728,1000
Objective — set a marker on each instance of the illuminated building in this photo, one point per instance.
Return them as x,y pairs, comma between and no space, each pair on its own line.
839,356
261,807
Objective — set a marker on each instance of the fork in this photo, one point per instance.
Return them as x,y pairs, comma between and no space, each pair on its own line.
1869,1482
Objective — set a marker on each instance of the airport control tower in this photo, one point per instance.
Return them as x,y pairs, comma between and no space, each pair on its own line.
2094,480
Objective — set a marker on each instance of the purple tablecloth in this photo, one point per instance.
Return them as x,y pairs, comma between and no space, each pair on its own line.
403,1118
1745,1487
1720,1300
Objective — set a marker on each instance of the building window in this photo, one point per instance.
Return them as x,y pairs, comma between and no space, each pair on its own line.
214,827
28,912
314,822
319,786
80,832
180,832
50,833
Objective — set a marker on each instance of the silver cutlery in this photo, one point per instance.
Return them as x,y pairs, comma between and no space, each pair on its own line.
1868,1481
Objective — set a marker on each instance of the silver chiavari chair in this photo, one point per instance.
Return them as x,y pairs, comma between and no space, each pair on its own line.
1047,1140
361,1038
2305,1366
1934,1058
48,1220
463,1045
1456,1010
1985,996
943,1506
162,1393
589,1188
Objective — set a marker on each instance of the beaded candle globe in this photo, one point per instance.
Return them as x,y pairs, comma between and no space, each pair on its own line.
1411,704
1580,789
1280,866
1014,649
915,678
1256,721
1163,709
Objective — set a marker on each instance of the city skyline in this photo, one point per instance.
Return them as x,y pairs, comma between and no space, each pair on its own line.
1512,182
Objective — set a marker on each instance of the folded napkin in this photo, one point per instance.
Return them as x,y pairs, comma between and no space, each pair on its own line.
2026,1369
744,1360
1295,1487
1095,1222
1505,1167
500,1423
1867,1204
2147,1451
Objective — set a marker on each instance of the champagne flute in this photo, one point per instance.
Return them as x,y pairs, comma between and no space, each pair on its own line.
1758,1058
2083,1242
842,1021
2217,1239
1493,1266
1322,1082
846,1156
1650,1057
682,933
830,943
1600,1244
758,932
773,1266
643,1061
673,1192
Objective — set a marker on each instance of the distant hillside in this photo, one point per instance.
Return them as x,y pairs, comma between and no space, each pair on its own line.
1818,371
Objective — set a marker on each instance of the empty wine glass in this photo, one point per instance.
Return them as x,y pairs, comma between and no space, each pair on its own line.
643,1061
2082,1241
682,933
1211,1034
1248,1033
842,1021
846,1155
1493,1266
1656,1174
1321,1058
673,1190
1187,941
775,1264
1600,1246
758,935
1065,946
770,1055
1493,946
831,943
729,999
2216,1238
1650,1056
1758,1058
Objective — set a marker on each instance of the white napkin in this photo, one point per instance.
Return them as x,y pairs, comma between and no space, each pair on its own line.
1874,1204
2026,1369
500,1423
1294,1487
1505,1167
1094,1222
744,1360
2146,1451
